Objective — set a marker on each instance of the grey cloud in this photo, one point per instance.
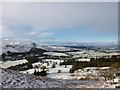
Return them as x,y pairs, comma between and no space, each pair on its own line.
55,16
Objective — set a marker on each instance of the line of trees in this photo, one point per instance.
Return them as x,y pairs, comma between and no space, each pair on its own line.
113,62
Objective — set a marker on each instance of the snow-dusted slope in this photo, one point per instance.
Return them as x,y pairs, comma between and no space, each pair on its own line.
13,79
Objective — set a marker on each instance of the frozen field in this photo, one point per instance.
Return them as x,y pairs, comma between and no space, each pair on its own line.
12,63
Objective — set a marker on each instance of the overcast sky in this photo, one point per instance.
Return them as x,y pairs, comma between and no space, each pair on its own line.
70,21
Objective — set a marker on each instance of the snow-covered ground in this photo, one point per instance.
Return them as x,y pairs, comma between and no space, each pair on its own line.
63,69
50,61
12,63
83,59
76,53
13,79
50,70
53,47
90,54
55,54
29,71
65,75
23,79
72,76
90,73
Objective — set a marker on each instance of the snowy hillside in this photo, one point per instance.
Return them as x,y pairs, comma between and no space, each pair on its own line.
13,79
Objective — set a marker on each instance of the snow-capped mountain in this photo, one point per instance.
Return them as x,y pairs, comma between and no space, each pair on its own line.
15,46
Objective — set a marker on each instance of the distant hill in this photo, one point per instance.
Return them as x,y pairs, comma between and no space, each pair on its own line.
20,46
